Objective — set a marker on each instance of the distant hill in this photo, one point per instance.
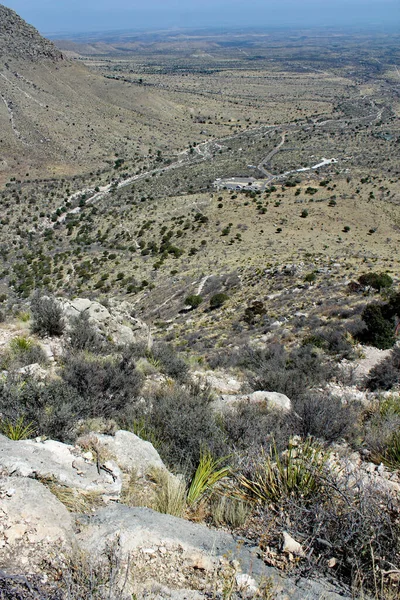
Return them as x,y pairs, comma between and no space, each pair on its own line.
19,40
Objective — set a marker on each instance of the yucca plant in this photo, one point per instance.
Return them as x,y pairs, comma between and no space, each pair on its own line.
208,473
295,472
21,344
18,430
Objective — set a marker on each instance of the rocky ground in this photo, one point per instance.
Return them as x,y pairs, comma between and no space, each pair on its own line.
62,502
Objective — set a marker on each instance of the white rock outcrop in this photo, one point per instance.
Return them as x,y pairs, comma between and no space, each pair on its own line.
117,320
59,462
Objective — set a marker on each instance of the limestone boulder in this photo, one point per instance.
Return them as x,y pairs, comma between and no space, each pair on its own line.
273,400
62,463
32,523
174,552
117,321
221,382
131,452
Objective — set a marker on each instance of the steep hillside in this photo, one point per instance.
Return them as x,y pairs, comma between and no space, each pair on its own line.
21,41
58,118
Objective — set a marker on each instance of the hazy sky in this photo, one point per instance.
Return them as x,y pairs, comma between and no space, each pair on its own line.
98,15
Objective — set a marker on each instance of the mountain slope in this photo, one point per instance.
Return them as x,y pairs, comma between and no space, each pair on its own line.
59,118
19,40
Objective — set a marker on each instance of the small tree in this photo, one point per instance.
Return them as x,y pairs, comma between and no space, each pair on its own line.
379,326
378,281
193,300
218,300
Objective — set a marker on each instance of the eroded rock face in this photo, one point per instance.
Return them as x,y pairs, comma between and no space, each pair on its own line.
157,541
131,452
60,462
32,523
115,321
220,381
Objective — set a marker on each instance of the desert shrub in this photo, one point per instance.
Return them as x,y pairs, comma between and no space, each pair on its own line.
379,326
102,576
193,300
106,385
324,416
296,491
170,498
276,476
255,310
254,425
170,362
310,277
182,420
333,341
21,353
27,587
50,409
227,511
357,525
381,425
47,316
217,300
276,370
83,335
386,374
378,281
210,471
18,429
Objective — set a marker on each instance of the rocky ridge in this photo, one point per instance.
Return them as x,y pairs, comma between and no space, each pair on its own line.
21,41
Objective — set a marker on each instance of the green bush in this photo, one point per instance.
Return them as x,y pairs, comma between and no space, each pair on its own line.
47,316
217,300
379,325
378,281
386,374
193,300
310,277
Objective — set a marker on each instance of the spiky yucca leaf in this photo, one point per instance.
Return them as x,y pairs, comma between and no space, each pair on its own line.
208,473
295,472
18,430
21,344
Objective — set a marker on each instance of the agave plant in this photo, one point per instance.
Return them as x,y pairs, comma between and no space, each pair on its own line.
295,472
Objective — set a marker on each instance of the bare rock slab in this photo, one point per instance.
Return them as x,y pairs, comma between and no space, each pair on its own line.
136,528
32,523
60,462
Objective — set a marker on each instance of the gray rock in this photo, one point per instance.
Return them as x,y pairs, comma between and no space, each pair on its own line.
117,321
220,381
131,452
32,522
273,399
60,462
142,527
